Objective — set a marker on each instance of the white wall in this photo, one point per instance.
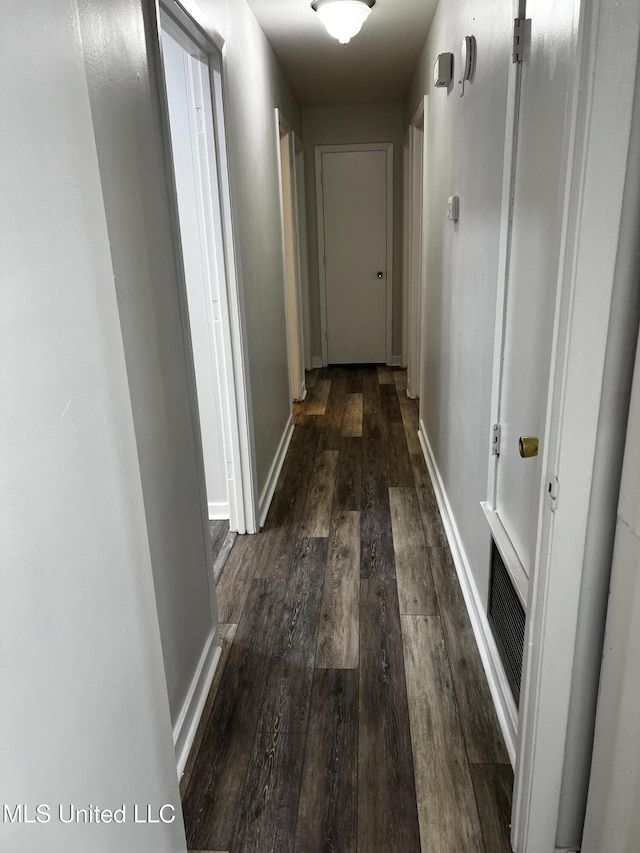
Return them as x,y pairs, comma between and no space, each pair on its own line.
254,87
613,811
465,158
124,90
85,718
341,125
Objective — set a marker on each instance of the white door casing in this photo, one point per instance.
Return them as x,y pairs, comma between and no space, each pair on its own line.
355,206
417,239
226,315
303,250
183,75
290,257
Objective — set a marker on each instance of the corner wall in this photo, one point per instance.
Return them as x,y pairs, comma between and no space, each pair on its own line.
341,125
465,158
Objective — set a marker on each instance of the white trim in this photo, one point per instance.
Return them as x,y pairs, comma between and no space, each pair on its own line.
508,553
396,361
316,362
498,684
238,426
417,246
218,510
303,246
363,146
184,730
274,472
289,229
406,246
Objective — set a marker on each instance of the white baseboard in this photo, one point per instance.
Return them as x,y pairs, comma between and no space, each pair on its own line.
218,510
498,685
274,472
184,730
396,361
316,362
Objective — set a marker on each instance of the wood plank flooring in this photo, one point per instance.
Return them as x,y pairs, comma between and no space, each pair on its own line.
350,712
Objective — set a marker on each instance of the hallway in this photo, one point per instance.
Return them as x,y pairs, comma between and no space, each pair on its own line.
350,710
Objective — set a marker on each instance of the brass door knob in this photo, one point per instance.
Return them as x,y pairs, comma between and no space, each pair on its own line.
528,446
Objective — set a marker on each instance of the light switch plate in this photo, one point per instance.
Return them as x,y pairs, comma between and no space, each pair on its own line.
453,208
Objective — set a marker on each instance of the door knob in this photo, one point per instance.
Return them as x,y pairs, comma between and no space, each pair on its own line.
528,446
379,273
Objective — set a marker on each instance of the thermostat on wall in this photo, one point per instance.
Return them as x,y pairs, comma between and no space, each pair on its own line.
443,69
453,208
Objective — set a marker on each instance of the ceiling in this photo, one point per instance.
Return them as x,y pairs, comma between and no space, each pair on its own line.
375,67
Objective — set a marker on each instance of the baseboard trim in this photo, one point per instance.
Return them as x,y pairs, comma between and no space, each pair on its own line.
396,361
498,685
218,510
316,362
184,730
276,466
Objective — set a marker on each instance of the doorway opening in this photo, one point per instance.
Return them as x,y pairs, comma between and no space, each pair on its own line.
192,68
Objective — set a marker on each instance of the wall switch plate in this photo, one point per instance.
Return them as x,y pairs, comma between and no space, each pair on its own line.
453,208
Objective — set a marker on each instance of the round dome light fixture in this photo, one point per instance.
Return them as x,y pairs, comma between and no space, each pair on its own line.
343,19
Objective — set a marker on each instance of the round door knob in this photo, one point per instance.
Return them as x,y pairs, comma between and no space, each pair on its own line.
379,273
528,446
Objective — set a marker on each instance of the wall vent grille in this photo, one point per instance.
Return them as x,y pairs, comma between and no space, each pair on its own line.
507,619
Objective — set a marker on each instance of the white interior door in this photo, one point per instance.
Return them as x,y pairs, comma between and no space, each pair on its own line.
186,79
532,276
357,266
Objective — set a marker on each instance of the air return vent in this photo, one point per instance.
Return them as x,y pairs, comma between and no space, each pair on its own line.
507,618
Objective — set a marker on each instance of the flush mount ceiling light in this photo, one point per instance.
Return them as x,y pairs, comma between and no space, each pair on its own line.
343,19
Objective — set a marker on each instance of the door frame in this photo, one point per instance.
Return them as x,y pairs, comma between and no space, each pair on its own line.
234,384
417,247
303,247
580,417
290,234
387,147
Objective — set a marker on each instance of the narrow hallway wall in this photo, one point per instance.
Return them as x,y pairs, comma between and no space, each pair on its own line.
339,125
254,86
124,90
465,158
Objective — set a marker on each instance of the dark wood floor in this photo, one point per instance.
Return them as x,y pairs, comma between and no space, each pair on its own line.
350,712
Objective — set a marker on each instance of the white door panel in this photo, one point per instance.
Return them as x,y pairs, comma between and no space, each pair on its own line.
532,274
355,234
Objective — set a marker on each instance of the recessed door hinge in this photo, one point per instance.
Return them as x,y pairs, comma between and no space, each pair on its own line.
495,439
519,34
552,491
